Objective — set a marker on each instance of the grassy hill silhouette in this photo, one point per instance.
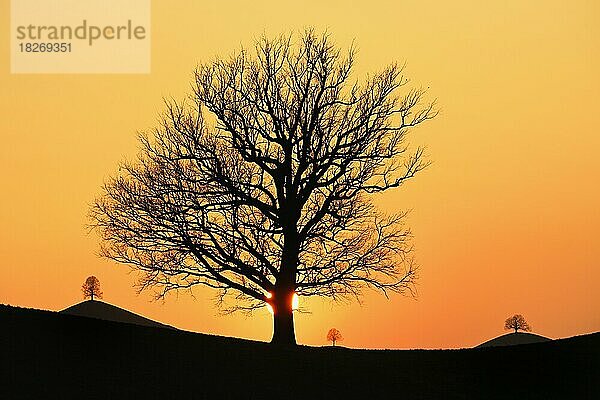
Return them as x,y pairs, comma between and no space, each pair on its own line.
55,355
513,339
108,312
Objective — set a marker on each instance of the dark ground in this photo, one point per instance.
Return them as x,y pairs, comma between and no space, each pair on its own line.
46,355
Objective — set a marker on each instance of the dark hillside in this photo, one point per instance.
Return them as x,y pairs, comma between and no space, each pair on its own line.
101,310
512,339
47,355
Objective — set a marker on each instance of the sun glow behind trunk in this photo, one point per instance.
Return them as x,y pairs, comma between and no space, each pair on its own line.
269,295
295,302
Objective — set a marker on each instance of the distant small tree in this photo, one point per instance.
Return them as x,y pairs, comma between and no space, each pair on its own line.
91,288
334,336
517,322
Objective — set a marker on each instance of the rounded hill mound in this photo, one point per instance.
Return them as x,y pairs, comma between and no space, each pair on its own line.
513,339
108,312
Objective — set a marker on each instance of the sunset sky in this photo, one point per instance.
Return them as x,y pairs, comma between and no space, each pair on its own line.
506,219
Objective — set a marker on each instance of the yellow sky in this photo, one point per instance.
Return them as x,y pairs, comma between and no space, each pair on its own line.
506,219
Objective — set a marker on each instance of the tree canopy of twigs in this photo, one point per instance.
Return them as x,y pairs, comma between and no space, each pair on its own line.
517,322
91,288
334,336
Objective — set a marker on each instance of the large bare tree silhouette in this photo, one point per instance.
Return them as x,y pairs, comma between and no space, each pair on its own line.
260,186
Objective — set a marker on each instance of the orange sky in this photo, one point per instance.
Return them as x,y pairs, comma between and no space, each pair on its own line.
506,219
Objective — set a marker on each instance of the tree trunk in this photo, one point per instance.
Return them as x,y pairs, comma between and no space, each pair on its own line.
285,286
283,320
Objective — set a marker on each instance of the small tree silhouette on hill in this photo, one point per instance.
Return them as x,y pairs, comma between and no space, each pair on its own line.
334,336
517,322
91,288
